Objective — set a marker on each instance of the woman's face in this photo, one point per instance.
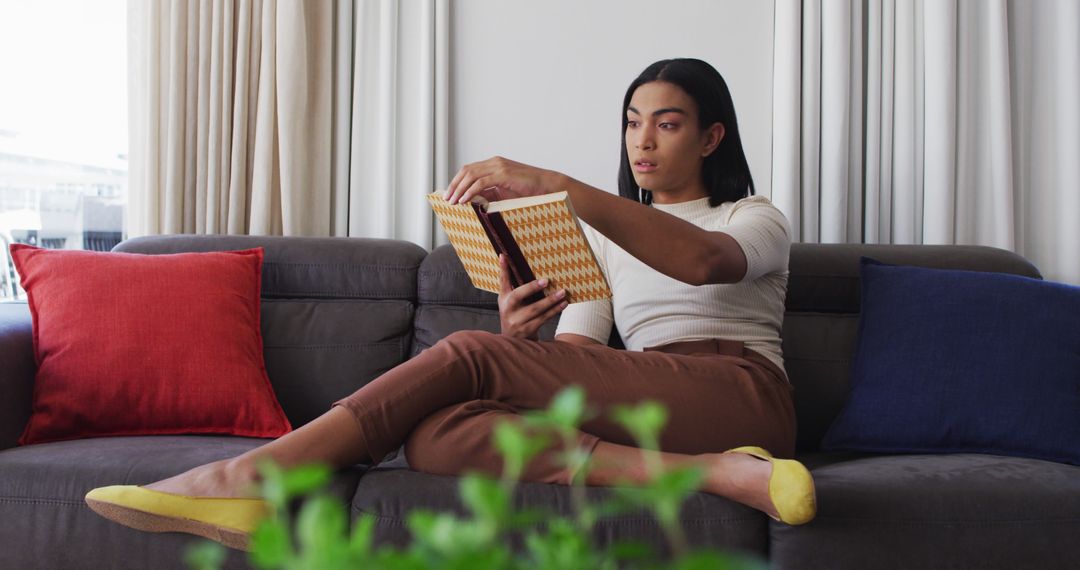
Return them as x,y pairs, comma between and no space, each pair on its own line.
664,144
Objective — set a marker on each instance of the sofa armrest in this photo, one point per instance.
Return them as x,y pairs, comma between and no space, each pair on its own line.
16,371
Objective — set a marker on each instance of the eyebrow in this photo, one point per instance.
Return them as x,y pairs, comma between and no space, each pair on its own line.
659,112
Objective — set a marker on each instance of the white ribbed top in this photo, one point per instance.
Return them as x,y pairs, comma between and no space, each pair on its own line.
651,309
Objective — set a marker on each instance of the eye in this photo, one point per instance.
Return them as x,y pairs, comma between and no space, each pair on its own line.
630,123
669,126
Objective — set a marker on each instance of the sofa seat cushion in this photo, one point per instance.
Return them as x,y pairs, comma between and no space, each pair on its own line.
939,511
391,491
42,489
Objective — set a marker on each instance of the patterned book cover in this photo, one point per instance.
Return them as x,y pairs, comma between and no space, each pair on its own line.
548,234
470,241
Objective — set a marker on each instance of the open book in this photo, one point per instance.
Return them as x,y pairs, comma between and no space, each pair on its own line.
540,236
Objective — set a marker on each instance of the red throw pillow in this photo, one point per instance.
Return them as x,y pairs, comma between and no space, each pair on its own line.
132,344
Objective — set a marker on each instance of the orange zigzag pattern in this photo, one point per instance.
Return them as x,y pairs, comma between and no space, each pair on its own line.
548,237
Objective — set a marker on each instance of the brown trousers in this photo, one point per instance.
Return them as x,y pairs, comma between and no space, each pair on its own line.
443,403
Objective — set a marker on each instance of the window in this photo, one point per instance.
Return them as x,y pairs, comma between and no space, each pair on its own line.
63,126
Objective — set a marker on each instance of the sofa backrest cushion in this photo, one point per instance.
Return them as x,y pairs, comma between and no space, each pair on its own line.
336,312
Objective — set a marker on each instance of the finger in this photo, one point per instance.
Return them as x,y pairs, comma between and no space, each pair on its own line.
473,173
550,314
463,179
453,183
542,306
467,178
519,295
534,324
479,185
505,287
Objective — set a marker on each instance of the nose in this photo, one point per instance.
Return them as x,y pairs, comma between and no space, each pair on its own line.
643,139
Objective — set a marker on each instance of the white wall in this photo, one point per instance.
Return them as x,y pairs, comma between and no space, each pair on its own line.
542,82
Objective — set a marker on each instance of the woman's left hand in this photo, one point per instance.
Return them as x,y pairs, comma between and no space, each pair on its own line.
498,178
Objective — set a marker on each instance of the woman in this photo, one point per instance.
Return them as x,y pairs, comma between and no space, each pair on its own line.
698,269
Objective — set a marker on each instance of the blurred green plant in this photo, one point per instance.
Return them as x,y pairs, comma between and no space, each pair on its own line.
319,536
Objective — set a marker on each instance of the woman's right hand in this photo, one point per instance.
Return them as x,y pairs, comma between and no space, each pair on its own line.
520,320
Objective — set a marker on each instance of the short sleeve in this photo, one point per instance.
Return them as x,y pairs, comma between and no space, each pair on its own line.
763,233
592,319
589,318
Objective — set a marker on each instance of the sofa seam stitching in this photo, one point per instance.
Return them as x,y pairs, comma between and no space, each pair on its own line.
946,522
32,501
612,521
346,345
345,265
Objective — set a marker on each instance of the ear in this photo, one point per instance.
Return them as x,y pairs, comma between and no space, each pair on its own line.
713,136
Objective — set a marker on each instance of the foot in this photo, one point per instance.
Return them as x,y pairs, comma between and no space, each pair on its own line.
228,478
740,477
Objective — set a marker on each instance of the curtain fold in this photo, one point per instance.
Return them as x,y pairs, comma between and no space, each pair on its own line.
283,117
304,38
936,122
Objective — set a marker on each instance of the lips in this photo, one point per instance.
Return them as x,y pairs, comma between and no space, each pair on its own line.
644,166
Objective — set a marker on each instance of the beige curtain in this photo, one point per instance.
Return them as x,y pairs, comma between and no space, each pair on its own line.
287,117
931,121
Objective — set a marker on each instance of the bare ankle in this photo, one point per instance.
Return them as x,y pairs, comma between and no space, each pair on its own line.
238,474
718,478
735,476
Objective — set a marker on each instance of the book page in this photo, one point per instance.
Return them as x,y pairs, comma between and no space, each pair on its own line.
513,203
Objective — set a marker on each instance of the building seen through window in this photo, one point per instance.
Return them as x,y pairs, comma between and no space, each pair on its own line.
63,127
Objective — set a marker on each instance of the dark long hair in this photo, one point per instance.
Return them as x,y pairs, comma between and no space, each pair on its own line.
725,172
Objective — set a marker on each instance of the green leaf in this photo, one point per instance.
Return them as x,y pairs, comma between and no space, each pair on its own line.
644,421
512,444
444,533
567,408
421,522
390,559
579,461
306,479
667,511
562,547
204,555
626,499
273,485
584,514
715,560
631,550
680,482
322,524
526,518
517,447
484,497
510,439
270,545
668,492
362,536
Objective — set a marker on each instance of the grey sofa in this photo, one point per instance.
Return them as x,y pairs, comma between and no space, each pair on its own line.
338,312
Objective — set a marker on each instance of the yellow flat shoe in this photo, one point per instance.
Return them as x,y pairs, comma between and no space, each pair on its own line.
228,521
791,487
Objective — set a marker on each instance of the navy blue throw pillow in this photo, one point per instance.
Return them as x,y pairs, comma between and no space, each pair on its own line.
963,362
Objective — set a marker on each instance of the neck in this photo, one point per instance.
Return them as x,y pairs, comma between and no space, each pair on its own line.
679,196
